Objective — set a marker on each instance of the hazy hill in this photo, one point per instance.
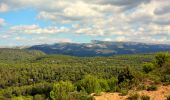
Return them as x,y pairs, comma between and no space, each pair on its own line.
100,48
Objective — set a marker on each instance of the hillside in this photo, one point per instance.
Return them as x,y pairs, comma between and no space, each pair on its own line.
15,55
100,48
33,75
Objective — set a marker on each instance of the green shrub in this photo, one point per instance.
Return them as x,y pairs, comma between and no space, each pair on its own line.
39,97
142,87
89,84
104,85
166,68
167,78
80,96
87,98
113,84
145,97
154,77
152,88
125,74
61,90
123,92
127,78
126,84
148,67
22,98
2,98
134,97
161,58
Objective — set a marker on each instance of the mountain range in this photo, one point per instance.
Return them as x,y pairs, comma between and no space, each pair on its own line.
100,48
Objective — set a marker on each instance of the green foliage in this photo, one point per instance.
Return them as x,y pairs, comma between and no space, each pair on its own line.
142,87
113,84
53,68
134,97
23,74
104,85
166,68
61,90
89,84
22,98
161,58
124,75
167,78
145,97
154,77
39,88
2,97
148,67
80,96
18,55
127,78
39,97
152,88
123,92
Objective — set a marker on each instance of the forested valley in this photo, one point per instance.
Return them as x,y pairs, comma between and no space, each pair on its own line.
34,75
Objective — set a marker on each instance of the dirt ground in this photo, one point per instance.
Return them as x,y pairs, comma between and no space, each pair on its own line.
160,94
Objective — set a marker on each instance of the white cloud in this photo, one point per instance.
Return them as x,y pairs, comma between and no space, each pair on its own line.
107,39
35,29
128,20
2,22
80,9
2,36
3,7
74,11
41,40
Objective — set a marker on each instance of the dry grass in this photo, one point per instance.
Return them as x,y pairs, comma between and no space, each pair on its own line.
160,94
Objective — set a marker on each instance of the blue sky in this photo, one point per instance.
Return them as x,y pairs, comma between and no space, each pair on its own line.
42,21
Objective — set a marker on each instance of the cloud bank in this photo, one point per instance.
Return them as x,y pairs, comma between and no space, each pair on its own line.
124,20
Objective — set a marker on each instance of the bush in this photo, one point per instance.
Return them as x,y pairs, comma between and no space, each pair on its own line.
162,58
145,97
127,84
113,84
87,98
104,85
39,97
153,77
123,92
148,67
127,78
134,97
2,98
89,84
22,98
61,90
80,96
125,74
167,78
142,87
166,68
152,88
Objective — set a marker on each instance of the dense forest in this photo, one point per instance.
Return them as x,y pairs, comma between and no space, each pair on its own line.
34,75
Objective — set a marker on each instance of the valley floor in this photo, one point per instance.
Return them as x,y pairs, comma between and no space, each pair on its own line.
161,94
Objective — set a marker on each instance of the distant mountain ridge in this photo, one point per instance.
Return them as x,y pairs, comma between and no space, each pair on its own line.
100,48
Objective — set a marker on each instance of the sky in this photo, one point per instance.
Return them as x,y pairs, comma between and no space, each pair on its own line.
31,22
